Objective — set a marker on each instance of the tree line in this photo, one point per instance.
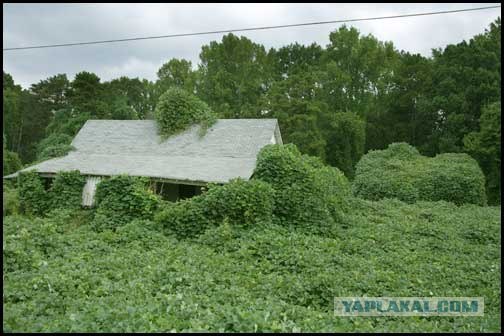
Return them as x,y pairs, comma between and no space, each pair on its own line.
336,102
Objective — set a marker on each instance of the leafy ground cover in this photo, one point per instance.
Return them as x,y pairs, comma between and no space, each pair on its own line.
62,275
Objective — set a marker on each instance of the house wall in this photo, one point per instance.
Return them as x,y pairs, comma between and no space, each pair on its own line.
89,190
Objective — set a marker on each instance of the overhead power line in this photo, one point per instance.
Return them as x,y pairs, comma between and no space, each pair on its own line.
251,29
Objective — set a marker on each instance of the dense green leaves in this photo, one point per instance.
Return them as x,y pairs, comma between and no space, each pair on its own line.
60,275
177,110
32,195
401,172
66,190
485,146
38,196
304,189
346,139
242,204
11,162
122,198
10,200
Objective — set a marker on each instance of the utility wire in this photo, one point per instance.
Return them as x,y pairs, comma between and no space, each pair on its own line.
250,29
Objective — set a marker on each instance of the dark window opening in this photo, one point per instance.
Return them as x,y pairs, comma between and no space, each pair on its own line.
174,192
188,191
47,182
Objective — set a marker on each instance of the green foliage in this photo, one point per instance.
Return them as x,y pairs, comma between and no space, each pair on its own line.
244,204
122,198
66,190
485,146
10,201
346,141
305,190
65,121
186,218
33,198
60,275
177,110
234,73
11,162
86,92
64,193
401,172
55,145
176,73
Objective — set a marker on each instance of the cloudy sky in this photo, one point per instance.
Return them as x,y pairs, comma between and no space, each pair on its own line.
38,24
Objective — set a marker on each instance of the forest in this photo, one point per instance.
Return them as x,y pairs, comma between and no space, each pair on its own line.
335,102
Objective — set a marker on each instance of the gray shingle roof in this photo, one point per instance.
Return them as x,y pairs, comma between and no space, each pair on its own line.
110,147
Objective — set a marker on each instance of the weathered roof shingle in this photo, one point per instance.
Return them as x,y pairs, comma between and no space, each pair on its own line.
110,147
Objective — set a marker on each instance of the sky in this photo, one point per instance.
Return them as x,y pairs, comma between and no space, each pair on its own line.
39,24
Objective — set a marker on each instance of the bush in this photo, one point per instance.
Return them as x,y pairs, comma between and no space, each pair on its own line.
10,201
401,172
243,203
11,162
186,218
305,190
55,145
452,177
178,109
32,195
122,198
66,191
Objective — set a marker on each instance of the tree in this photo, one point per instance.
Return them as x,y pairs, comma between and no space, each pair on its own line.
51,93
485,146
396,116
133,92
177,73
295,58
466,77
357,70
345,141
233,75
85,93
295,102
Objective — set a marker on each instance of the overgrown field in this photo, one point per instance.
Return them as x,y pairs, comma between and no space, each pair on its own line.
60,274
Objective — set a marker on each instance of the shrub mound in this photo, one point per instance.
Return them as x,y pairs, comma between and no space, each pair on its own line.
66,191
10,200
121,199
243,203
55,145
178,109
307,192
32,195
401,172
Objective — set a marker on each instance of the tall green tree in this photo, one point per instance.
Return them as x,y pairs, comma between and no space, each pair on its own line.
485,146
86,94
234,74
346,139
51,93
177,73
466,77
358,70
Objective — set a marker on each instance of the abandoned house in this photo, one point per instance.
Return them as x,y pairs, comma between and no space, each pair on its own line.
178,167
